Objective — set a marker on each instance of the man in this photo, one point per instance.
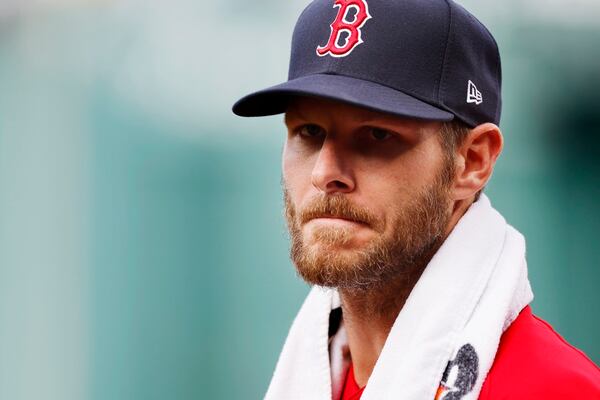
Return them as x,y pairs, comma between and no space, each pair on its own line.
420,286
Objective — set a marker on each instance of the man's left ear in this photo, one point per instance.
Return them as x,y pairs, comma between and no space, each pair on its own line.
475,160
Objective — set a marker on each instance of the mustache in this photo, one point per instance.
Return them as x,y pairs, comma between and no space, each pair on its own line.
336,206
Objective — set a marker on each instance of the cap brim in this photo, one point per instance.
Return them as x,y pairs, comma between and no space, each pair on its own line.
275,99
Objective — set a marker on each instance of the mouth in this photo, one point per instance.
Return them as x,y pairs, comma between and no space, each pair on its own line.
336,219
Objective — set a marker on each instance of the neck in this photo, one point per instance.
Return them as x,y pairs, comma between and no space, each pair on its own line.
368,319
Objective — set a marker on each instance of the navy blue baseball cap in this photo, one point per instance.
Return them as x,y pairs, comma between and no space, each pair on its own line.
424,59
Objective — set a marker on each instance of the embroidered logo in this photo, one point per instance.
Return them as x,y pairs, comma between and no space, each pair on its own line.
346,34
474,95
460,375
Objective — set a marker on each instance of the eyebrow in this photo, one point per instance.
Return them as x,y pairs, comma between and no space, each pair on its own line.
293,112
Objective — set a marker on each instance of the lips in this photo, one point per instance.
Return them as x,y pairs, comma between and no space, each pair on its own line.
336,207
340,217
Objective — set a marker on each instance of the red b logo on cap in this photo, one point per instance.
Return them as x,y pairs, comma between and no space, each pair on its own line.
350,28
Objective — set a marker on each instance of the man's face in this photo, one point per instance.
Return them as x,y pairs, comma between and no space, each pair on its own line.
366,193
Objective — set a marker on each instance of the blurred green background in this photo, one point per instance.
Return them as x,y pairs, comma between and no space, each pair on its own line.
143,252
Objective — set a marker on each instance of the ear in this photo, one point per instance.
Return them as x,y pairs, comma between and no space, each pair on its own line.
476,159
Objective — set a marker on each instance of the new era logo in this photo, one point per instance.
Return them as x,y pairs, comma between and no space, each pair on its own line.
474,95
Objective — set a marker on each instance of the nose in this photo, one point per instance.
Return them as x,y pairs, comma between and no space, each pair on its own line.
331,173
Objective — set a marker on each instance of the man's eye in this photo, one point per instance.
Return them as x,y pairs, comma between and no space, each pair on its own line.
311,131
380,134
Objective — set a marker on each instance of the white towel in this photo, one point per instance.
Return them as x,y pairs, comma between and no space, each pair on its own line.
446,334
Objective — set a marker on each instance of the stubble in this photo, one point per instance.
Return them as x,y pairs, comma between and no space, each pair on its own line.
417,231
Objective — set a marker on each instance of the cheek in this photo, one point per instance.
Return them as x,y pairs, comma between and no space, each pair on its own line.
297,170
417,169
393,187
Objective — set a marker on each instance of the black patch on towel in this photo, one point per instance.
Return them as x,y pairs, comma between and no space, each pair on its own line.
460,374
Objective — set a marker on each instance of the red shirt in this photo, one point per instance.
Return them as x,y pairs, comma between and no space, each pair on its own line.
351,389
532,362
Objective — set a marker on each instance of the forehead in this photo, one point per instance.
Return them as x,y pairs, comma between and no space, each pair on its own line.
316,109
